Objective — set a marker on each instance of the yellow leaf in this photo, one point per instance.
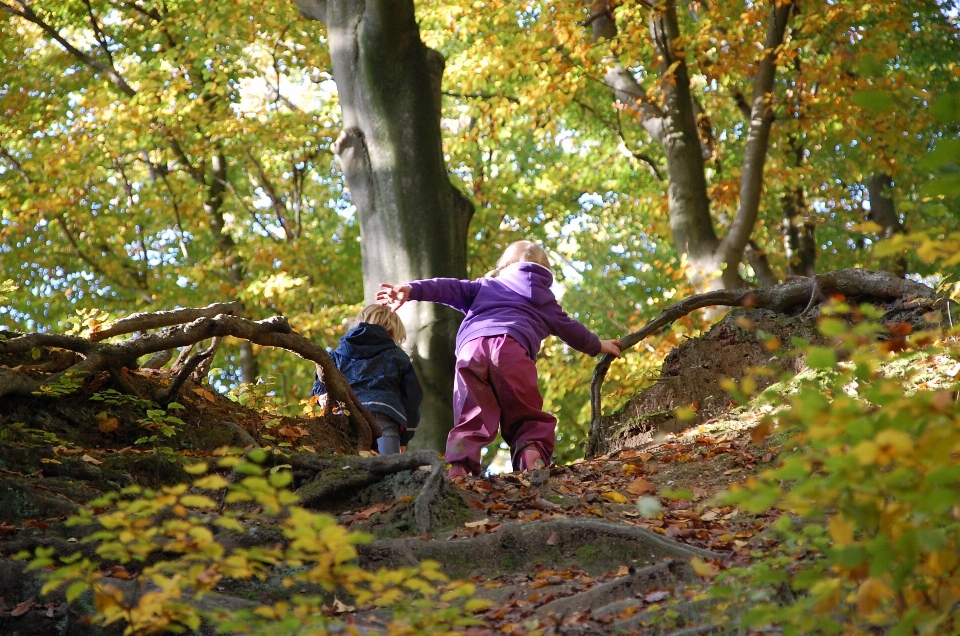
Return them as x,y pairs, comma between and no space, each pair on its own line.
865,452
197,501
614,496
870,594
894,440
477,605
108,425
211,482
704,568
196,469
841,530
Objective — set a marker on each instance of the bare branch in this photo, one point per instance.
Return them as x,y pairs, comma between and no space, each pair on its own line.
780,298
481,95
16,164
272,332
170,393
275,200
159,319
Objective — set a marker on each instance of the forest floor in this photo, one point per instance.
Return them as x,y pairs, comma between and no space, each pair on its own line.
569,552
599,546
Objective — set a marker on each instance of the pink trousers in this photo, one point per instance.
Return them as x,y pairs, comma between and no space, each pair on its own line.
496,387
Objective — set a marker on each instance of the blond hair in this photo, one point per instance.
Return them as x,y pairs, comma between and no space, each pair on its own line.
520,252
386,318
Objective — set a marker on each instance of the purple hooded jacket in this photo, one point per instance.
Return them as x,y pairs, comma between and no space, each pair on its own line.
518,303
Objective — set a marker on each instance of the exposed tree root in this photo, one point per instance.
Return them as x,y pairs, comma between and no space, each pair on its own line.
518,544
331,480
435,482
798,294
97,356
661,575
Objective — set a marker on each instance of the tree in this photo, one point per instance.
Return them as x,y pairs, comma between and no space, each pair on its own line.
168,153
413,221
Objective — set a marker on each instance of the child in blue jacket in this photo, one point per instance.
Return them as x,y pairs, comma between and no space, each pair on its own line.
381,374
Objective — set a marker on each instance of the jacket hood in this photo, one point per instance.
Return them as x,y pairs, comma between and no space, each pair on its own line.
530,280
365,341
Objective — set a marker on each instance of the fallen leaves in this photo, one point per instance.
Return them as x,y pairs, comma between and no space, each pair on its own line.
641,486
207,395
23,608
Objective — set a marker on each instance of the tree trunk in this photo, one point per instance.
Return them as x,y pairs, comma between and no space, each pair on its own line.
413,222
712,263
799,240
883,212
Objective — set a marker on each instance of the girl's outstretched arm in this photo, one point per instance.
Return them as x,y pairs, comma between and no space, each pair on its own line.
393,296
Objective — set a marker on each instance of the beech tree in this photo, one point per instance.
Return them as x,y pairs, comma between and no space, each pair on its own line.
413,221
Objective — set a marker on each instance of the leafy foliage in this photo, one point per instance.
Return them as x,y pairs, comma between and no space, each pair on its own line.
870,531
173,541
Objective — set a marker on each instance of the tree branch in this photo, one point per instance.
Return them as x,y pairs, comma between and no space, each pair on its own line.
731,248
780,298
16,164
272,332
159,319
28,14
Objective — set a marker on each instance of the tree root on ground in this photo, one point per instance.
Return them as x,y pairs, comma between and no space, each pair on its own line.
661,575
516,545
330,480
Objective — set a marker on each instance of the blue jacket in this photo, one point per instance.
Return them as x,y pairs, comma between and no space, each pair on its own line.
381,375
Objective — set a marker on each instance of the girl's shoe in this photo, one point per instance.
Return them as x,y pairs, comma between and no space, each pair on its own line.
457,470
530,459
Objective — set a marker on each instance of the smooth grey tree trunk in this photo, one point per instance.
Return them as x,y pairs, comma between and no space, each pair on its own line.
413,221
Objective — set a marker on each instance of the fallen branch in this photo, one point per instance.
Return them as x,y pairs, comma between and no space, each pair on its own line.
797,293
101,356
159,319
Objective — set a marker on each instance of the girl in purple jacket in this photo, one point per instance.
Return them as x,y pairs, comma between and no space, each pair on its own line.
508,314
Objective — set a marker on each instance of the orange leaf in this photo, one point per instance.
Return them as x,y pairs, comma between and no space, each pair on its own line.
640,486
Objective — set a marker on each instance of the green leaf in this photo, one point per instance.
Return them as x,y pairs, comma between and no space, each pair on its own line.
75,590
946,108
876,101
821,358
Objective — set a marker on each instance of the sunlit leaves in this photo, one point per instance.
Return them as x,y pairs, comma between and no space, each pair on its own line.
869,487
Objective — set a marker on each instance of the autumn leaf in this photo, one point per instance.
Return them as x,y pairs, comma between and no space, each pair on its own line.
22,608
706,569
614,497
841,530
108,425
640,486
207,395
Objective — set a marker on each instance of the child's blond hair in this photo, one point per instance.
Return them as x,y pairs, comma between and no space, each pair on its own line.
386,318
521,252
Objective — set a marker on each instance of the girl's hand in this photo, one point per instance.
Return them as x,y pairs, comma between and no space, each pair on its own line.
610,346
393,296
